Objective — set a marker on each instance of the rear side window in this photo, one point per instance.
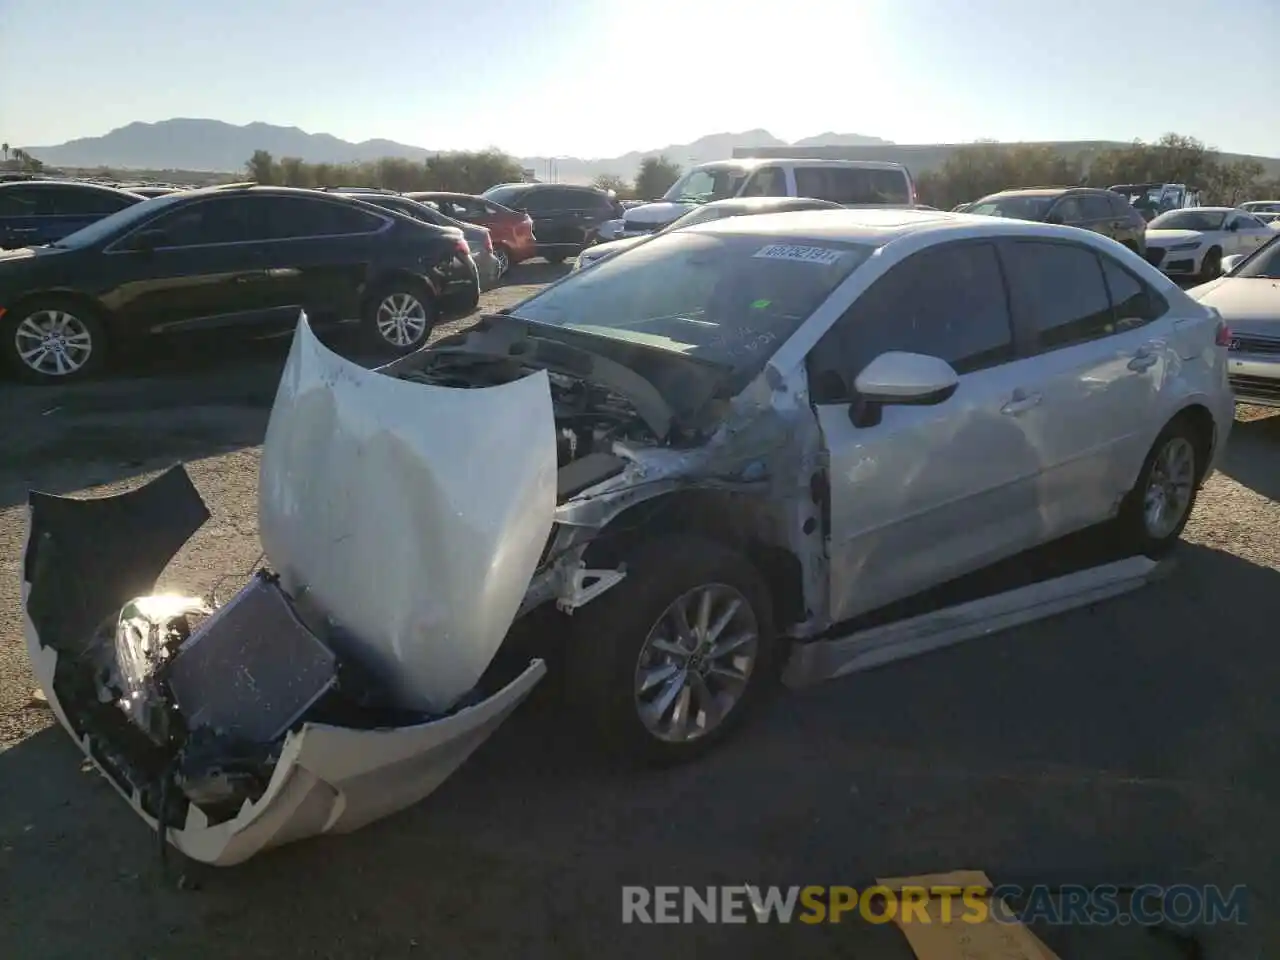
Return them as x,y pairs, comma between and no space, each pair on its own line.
1120,206
766,182
852,184
1065,294
1133,303
948,302
509,196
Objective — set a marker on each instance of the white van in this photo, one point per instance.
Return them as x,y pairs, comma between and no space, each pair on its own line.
853,183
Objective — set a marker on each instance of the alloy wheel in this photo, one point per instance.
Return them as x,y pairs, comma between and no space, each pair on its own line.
695,663
53,343
1169,487
502,260
401,319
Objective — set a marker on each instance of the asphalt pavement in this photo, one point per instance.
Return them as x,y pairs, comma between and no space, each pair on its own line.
1129,742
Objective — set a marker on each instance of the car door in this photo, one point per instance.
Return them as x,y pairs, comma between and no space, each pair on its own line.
198,267
922,494
1096,215
546,208
318,253
1250,233
1093,389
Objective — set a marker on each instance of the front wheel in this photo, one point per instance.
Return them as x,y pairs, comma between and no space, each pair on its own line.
1161,501
52,341
398,317
668,662
1211,266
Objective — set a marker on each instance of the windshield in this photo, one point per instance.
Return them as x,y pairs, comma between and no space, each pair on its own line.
117,222
1263,265
1261,206
730,299
1014,208
704,184
1202,220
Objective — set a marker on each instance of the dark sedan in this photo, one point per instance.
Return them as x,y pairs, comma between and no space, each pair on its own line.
42,211
1088,208
240,258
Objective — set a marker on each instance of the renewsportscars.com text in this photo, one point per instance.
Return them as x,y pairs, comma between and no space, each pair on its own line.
1103,905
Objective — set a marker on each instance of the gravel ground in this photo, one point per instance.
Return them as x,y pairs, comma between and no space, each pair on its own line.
1130,742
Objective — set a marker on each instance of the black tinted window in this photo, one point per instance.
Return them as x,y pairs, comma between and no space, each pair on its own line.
1064,290
512,196
852,184
17,203
766,182
220,220
1120,206
87,203
287,218
1133,302
1068,210
1095,207
948,303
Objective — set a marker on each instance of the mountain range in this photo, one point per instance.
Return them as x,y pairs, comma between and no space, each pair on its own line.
212,145
215,146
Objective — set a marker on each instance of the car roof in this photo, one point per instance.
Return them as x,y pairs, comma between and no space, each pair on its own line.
1043,192
75,184
877,226
780,203
1205,210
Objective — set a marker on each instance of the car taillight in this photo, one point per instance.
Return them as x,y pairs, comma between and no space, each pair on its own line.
461,247
488,241
1222,336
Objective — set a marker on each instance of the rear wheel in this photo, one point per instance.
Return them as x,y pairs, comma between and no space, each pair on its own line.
53,340
1161,501
502,260
399,316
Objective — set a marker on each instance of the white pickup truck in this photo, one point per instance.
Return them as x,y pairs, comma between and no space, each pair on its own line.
847,182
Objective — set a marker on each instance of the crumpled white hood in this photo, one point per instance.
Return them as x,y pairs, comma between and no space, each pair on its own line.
414,516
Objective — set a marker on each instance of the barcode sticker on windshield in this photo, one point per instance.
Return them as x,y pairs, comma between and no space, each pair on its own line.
787,251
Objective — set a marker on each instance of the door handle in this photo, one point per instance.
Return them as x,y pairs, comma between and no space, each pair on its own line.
250,277
1144,358
1021,403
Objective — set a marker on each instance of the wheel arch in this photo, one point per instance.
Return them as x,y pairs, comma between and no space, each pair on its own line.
383,278
1204,430
745,522
100,310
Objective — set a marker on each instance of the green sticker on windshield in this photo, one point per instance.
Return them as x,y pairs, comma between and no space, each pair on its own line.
760,304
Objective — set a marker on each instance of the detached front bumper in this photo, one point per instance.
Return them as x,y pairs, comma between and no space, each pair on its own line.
1253,370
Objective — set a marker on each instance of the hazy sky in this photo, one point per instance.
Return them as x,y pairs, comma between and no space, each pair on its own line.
596,78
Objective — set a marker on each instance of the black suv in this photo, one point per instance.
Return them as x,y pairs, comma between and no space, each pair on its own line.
239,258
565,218
1101,211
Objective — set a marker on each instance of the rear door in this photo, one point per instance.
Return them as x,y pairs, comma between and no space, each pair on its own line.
204,272
1250,232
317,256
556,214
1094,386
1097,215
927,493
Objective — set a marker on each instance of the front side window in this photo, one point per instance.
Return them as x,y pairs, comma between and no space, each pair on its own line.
948,302
17,202
1263,265
1069,210
1095,207
729,298
705,184
218,220
1013,207
1064,290
766,182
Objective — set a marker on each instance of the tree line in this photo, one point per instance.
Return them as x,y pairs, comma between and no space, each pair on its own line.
969,172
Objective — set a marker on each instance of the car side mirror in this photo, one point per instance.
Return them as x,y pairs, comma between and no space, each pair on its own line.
904,379
1231,262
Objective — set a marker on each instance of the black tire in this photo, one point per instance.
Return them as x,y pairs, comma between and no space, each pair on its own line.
555,259
1135,530
1211,265
390,290
84,321
608,635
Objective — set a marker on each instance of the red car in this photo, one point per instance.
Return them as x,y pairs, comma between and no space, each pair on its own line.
512,232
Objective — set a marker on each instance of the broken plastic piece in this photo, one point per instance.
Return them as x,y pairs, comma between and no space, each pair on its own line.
587,584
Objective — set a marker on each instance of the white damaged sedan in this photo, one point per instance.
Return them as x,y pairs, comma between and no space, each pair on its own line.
705,459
